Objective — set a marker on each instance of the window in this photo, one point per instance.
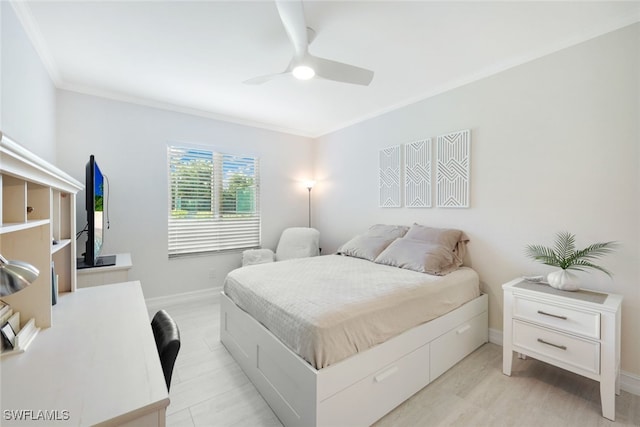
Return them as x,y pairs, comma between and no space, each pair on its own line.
214,201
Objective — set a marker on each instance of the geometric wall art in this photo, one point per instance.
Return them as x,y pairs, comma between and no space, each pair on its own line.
453,159
417,173
389,177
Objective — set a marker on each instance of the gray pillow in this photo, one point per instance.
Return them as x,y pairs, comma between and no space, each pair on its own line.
421,256
365,246
388,231
453,239
442,236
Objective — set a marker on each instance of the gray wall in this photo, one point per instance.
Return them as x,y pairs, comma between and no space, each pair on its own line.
555,146
27,94
130,145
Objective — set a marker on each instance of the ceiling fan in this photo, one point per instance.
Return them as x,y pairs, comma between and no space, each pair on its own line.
303,65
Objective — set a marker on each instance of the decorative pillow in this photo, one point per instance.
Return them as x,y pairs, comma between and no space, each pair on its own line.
365,246
388,231
442,236
453,239
421,256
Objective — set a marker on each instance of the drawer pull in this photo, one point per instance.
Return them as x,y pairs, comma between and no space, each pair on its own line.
464,329
552,315
386,374
561,347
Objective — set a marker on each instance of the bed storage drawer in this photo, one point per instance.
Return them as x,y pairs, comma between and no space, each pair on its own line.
453,346
238,334
386,388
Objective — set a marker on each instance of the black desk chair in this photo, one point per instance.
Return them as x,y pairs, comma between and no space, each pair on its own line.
167,335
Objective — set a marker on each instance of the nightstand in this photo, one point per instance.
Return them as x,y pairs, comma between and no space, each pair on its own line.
577,331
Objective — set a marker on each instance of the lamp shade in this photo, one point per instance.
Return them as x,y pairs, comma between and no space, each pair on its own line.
15,276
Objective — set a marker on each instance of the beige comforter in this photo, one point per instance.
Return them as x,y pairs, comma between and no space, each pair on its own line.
328,308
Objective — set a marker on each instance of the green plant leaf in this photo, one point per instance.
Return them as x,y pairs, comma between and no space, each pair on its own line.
543,254
564,253
581,265
596,250
565,246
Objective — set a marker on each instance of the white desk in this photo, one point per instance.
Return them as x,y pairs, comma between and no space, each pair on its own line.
95,276
97,364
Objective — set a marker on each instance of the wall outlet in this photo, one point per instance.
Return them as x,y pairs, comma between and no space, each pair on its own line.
212,274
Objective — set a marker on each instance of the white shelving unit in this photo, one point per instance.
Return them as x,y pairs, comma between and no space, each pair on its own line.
37,206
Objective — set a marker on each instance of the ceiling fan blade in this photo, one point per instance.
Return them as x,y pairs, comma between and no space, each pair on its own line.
292,16
341,72
263,79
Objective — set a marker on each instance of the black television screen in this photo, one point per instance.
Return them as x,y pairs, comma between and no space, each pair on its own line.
95,206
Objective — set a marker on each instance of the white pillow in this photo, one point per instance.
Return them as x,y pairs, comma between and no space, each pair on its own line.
421,256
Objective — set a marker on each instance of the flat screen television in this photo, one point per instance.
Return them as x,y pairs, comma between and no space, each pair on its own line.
95,206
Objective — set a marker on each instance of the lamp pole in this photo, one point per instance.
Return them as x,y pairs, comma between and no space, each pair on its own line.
310,185
309,188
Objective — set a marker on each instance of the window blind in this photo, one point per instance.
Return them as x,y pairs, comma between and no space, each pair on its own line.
214,201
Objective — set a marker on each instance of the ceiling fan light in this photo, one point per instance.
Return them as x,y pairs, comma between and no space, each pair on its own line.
303,72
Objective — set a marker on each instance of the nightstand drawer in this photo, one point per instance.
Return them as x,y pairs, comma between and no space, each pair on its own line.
567,319
566,349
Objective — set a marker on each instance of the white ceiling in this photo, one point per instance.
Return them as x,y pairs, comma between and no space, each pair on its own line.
193,56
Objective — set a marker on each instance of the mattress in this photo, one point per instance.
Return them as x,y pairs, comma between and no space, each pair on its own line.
328,308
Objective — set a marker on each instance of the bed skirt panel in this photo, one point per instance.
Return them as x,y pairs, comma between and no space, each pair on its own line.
362,388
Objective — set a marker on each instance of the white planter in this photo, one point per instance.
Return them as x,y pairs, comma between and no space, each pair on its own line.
563,280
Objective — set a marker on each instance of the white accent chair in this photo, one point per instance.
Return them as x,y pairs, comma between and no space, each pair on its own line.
295,242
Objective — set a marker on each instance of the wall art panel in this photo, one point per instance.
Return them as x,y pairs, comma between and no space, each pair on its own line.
453,157
389,177
417,173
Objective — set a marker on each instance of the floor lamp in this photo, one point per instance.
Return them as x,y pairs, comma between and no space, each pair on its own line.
309,185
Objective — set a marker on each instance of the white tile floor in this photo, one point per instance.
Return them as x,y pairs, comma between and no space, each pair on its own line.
209,389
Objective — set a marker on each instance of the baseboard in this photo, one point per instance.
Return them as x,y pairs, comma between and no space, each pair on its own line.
157,303
628,382
495,336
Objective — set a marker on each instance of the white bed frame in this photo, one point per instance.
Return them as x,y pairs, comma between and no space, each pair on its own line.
362,388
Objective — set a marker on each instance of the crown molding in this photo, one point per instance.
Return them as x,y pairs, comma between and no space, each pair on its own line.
618,23
146,102
23,12
25,16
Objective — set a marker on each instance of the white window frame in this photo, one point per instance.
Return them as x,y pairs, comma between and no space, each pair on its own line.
207,218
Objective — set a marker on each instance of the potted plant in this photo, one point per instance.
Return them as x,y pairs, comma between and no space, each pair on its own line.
564,255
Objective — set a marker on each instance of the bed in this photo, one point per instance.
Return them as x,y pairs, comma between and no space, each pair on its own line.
342,340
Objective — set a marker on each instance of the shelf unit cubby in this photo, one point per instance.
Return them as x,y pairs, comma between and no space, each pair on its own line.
37,207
